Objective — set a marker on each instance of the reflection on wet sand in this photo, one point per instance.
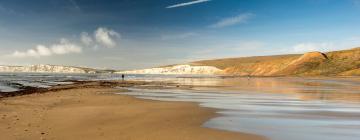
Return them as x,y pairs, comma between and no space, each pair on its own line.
277,107
338,89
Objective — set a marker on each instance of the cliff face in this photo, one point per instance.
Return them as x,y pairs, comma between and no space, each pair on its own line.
177,69
346,62
45,69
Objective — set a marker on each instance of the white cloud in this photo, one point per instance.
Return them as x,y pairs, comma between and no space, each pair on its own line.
86,39
242,18
102,37
106,37
309,47
39,51
64,47
178,36
43,50
187,3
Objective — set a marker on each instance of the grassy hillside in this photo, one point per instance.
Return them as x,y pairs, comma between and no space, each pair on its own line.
241,61
346,62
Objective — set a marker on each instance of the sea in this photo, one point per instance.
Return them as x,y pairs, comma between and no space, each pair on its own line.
11,82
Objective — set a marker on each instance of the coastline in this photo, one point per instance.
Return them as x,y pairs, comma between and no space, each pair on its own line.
91,110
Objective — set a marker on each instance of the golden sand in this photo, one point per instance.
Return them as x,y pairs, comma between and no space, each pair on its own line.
95,113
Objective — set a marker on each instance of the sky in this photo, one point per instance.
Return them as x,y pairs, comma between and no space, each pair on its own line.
133,34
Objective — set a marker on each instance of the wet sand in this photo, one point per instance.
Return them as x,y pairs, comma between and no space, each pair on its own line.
91,111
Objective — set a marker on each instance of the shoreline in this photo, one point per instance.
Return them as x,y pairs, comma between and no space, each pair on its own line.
27,90
91,110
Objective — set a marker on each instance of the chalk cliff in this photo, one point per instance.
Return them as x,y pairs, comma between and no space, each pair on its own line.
46,69
177,69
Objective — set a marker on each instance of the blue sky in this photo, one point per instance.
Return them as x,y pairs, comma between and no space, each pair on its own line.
128,34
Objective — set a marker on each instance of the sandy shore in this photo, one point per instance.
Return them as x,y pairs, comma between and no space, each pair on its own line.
93,112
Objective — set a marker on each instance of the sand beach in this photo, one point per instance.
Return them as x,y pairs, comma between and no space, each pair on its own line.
92,111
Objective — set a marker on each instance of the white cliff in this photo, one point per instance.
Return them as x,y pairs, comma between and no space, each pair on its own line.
177,69
45,69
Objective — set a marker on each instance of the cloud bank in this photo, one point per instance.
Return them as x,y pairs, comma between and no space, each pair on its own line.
187,3
102,37
242,18
61,48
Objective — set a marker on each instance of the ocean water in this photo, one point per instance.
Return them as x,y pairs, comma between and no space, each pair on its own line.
278,108
10,82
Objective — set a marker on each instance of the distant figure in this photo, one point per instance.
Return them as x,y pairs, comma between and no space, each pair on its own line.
248,77
123,77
